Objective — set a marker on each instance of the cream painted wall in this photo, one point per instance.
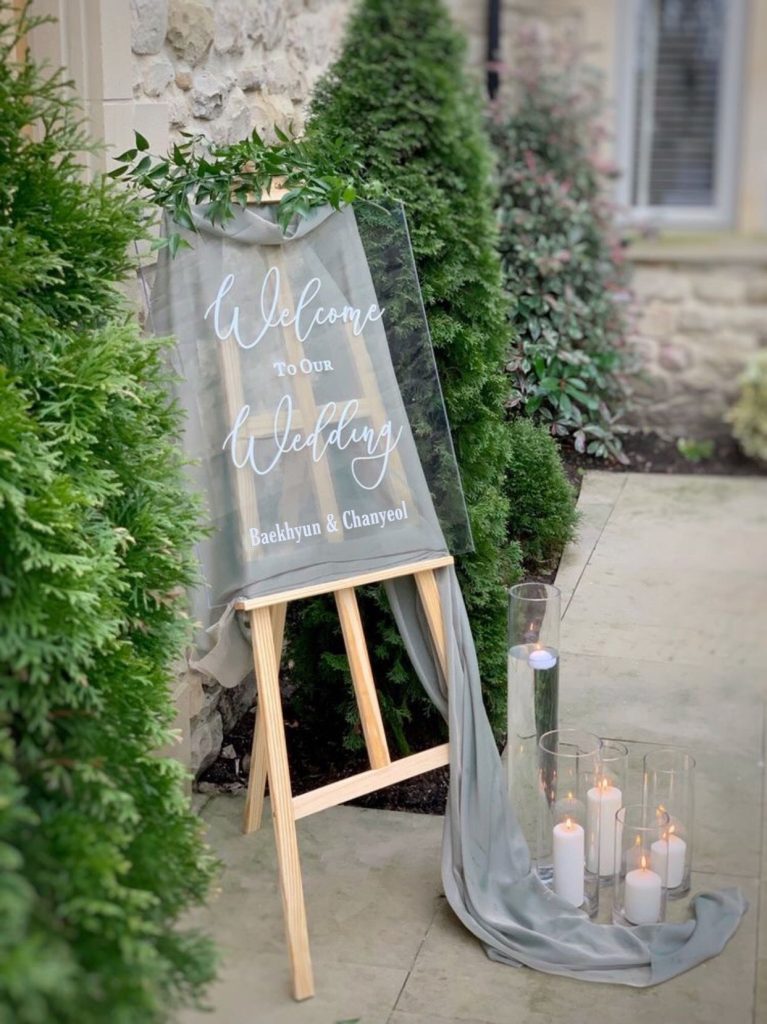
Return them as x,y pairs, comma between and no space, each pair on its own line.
752,201
91,39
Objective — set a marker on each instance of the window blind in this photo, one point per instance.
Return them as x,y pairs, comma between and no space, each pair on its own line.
679,73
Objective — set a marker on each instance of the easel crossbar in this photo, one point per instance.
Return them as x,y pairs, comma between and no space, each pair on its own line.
368,782
248,604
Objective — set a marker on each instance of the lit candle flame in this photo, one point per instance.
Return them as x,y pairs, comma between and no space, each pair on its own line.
604,785
569,823
643,863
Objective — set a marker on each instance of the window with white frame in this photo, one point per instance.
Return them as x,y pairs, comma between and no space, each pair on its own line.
679,87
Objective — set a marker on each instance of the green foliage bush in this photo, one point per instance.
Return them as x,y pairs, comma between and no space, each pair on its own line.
399,100
749,414
542,500
99,853
562,259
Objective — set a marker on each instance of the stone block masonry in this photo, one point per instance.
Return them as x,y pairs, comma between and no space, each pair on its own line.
699,318
225,67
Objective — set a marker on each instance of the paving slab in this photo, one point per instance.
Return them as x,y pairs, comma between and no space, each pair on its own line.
599,494
634,696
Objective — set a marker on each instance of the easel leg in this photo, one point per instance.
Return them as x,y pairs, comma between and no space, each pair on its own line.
362,678
291,883
254,802
428,591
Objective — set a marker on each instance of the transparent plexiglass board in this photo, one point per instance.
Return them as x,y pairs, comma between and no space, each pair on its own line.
314,418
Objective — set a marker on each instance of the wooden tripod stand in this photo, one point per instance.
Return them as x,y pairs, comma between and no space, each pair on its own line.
269,756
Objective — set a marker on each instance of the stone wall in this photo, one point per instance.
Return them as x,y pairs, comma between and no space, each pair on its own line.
699,317
224,67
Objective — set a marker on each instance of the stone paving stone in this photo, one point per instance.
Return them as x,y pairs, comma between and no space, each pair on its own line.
633,696
253,990
597,499
711,523
688,619
362,907
408,1018
371,880
453,978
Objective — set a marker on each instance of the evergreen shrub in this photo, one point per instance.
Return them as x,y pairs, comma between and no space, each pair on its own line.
562,258
99,852
399,100
542,500
748,415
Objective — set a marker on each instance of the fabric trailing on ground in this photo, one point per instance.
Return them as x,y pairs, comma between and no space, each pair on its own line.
485,860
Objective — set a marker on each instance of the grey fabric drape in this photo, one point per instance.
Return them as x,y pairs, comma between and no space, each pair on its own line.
485,861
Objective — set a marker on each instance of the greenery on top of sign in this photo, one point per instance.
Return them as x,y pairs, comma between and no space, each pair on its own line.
218,179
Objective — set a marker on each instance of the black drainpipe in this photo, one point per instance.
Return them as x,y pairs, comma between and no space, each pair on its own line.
493,46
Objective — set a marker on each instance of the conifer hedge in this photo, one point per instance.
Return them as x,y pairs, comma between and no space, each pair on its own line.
399,100
99,853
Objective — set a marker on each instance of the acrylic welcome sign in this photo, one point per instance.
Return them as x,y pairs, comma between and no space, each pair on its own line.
315,419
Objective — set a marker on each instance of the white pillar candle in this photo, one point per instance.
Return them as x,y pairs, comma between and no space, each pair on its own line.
569,859
642,895
541,659
602,802
668,854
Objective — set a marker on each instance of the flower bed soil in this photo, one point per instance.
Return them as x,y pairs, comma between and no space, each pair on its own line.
426,794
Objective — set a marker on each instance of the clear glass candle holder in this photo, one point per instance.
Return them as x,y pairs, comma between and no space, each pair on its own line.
604,800
533,691
568,769
639,895
669,785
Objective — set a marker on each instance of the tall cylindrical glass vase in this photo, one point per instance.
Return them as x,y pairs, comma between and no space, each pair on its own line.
639,896
568,834
533,694
669,785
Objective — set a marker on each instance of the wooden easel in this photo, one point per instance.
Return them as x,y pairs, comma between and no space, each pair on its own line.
269,757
